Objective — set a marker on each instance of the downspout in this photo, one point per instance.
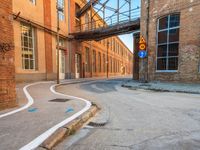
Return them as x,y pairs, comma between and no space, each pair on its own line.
147,40
69,42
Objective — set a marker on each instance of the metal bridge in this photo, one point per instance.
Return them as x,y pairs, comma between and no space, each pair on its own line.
122,20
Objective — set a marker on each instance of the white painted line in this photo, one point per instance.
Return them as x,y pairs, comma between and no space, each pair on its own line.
30,101
40,139
97,88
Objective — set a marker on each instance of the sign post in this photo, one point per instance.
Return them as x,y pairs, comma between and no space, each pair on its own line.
142,53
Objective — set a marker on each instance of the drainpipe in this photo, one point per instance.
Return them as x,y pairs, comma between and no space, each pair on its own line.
147,40
69,43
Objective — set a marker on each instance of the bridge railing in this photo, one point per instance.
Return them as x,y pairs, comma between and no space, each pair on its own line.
109,21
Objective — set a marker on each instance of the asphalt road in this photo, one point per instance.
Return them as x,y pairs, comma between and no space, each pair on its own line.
136,119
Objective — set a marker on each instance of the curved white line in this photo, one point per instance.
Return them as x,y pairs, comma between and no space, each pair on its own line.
40,139
30,101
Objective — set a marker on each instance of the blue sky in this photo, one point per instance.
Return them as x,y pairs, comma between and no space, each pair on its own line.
128,38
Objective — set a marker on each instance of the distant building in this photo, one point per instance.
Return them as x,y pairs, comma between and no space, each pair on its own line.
173,33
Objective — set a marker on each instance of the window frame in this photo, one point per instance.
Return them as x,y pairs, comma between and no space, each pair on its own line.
33,2
168,29
33,49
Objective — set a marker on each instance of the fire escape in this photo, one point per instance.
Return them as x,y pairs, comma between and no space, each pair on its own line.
122,20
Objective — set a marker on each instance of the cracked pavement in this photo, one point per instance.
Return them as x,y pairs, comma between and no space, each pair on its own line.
137,119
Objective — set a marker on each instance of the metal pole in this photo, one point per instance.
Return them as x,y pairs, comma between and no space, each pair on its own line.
58,61
117,11
129,10
103,16
91,41
107,59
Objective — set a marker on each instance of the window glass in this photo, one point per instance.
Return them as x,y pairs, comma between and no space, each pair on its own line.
33,1
174,20
173,49
99,61
162,51
174,35
161,64
28,49
168,42
173,63
94,61
162,37
87,62
163,23
61,4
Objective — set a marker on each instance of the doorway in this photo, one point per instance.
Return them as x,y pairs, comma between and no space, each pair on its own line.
62,64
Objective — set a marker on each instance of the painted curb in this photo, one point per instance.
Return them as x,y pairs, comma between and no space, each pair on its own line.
68,129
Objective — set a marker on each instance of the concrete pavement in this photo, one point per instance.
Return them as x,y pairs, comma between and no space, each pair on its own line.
21,128
193,88
137,119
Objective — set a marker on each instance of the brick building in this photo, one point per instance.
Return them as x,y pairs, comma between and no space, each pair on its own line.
7,69
35,40
173,34
31,26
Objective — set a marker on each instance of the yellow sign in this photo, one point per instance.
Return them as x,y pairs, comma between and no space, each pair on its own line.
142,43
142,40
142,46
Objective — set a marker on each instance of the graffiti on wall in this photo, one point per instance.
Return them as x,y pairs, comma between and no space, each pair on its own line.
5,47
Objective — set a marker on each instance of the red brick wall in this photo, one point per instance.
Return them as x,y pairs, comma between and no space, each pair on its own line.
189,47
7,69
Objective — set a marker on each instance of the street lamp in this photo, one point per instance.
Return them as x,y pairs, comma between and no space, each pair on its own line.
59,9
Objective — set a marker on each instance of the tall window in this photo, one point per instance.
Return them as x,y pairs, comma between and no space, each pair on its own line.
87,61
104,63
28,47
114,46
168,43
78,20
93,24
61,4
86,21
99,61
94,61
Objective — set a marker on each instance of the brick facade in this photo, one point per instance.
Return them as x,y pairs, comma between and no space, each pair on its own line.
189,38
7,69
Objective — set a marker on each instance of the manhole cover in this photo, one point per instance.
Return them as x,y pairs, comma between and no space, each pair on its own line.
59,100
94,124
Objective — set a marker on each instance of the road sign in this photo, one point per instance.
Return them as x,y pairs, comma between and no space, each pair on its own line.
142,46
142,40
142,43
142,54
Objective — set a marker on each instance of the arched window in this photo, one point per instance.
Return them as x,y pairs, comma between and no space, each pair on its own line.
168,42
